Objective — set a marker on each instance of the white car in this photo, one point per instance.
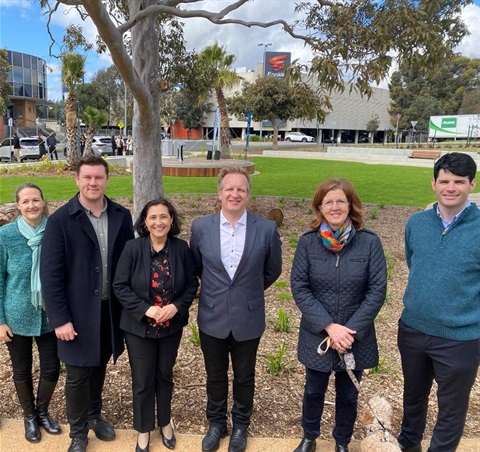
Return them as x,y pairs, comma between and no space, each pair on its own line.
102,145
299,136
29,149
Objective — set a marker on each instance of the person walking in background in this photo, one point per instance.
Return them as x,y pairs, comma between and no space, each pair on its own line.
52,145
439,329
120,145
129,145
41,145
113,143
82,244
339,282
16,147
238,255
22,311
155,282
83,139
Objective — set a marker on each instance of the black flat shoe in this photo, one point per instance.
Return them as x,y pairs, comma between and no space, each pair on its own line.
145,449
340,448
211,441
168,443
306,445
103,430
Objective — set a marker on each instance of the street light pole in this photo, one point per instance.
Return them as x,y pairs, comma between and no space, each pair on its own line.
265,45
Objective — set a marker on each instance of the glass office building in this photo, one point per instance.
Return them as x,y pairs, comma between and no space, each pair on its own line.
27,76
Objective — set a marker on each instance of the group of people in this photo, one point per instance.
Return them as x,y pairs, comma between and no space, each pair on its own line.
122,146
140,291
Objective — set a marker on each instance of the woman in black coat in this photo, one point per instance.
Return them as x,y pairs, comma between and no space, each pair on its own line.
339,284
155,282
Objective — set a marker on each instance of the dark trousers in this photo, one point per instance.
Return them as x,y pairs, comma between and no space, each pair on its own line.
151,362
453,365
53,152
20,350
346,395
244,356
84,385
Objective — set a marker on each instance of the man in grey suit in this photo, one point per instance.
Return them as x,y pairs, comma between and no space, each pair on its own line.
238,255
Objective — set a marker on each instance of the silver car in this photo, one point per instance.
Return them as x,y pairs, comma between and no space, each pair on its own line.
29,149
102,145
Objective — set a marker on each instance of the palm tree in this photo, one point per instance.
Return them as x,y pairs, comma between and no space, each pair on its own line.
94,118
73,70
217,63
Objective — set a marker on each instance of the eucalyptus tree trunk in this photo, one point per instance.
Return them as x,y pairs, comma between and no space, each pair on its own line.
146,125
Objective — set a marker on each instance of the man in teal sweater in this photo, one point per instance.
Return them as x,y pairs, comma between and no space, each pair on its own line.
439,330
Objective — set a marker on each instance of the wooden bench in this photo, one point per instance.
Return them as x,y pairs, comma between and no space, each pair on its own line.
433,155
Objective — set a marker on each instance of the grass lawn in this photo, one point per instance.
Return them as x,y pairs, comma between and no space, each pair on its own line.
376,184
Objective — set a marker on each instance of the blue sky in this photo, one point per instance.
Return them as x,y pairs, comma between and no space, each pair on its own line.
23,29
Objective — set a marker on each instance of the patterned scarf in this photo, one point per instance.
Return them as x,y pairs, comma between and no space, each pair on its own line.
34,240
335,240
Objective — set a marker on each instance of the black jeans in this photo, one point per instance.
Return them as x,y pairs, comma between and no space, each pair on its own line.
453,365
346,396
84,385
244,357
20,350
151,362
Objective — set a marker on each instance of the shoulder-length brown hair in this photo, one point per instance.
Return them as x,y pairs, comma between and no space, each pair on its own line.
355,205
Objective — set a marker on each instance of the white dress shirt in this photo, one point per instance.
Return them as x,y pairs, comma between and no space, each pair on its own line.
232,242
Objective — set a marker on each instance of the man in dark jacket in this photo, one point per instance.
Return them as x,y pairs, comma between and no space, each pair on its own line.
82,243
52,145
16,147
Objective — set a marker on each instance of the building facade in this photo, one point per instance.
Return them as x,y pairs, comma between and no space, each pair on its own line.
28,88
346,123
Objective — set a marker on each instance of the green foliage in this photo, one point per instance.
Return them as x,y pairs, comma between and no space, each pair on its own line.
283,324
276,99
373,123
380,368
5,88
356,40
280,284
293,242
195,339
417,94
275,361
390,265
285,296
373,213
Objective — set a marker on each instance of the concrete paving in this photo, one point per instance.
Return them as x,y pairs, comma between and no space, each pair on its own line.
12,440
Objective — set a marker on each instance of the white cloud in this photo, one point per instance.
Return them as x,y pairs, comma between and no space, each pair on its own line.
470,46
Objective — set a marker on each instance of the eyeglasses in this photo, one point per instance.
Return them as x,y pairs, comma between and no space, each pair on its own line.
341,203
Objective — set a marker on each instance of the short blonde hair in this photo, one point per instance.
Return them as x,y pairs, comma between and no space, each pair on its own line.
232,170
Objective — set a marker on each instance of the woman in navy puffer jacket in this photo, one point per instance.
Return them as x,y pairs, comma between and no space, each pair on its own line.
339,284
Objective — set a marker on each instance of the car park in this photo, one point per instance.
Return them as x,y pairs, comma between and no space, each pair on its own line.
102,145
29,150
299,136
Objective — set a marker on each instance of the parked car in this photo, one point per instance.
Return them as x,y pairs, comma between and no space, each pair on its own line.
299,136
102,145
29,149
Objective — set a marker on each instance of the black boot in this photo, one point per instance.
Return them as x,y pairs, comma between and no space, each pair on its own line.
27,401
44,395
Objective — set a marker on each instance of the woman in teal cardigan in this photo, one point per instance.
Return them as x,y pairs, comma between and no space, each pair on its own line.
22,311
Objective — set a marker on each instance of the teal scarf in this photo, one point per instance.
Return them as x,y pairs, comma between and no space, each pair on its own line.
34,238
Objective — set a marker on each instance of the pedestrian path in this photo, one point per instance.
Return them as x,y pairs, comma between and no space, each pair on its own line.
12,440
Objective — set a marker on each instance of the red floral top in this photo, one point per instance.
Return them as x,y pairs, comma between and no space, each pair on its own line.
161,287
